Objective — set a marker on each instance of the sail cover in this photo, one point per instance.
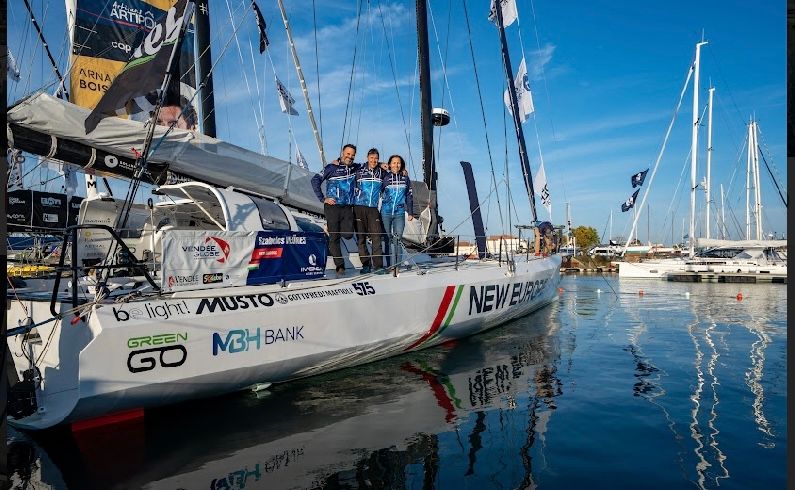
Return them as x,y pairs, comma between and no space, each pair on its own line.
191,155
714,242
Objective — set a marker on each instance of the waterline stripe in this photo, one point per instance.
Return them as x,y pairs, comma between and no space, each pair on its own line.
448,296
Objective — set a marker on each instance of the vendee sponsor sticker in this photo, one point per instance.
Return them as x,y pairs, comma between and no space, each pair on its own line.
201,260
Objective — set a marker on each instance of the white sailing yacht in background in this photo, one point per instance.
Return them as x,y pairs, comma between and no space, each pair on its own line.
754,255
221,287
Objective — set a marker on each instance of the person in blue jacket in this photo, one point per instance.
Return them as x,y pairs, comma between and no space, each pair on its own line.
369,182
338,201
396,201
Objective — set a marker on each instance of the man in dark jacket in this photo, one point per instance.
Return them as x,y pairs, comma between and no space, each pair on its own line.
338,201
365,209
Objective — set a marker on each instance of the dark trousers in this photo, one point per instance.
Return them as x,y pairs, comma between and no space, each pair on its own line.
339,220
368,224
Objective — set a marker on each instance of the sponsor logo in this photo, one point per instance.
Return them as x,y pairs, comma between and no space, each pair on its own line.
280,298
159,339
266,253
49,217
241,340
110,160
180,281
122,12
16,216
155,38
319,294
313,268
213,248
363,288
50,201
232,303
494,297
16,200
121,46
281,240
147,359
212,278
152,311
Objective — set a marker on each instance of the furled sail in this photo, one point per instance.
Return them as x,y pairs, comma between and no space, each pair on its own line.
42,124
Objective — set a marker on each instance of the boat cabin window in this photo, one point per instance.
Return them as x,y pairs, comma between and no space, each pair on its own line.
272,216
307,225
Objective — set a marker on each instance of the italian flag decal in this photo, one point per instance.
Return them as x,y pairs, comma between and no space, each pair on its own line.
445,314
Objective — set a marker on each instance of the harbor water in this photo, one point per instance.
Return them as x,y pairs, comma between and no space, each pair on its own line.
618,384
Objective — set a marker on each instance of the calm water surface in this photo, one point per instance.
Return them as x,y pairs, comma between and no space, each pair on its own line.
681,387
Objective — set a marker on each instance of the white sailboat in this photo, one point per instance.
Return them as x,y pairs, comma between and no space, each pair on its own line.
221,286
756,256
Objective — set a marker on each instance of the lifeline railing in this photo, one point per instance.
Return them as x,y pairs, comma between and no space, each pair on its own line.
131,262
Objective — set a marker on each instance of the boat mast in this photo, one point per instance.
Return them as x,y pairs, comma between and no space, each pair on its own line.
694,148
722,215
302,81
748,185
204,73
709,162
610,233
71,19
429,174
757,185
517,123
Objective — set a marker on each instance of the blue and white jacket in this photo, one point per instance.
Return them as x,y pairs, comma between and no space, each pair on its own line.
369,184
397,197
340,182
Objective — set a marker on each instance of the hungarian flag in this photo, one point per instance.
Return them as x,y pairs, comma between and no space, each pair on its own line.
146,69
630,203
638,178
263,38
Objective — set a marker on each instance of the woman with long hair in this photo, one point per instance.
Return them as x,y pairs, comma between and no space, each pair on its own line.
397,202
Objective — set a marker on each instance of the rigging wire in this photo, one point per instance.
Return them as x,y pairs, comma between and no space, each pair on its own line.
245,77
353,67
390,53
260,99
317,71
483,113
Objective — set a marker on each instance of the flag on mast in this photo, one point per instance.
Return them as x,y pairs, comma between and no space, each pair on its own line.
509,12
12,70
638,178
286,100
542,189
299,159
147,66
524,97
263,38
629,203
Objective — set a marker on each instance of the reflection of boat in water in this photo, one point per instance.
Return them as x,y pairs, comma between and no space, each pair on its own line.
387,423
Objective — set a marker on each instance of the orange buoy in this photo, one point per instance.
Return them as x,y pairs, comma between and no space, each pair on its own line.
560,290
739,296
640,293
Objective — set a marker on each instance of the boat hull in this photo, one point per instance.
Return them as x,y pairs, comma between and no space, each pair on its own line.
147,353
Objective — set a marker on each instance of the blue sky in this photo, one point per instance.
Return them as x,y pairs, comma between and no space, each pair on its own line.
606,77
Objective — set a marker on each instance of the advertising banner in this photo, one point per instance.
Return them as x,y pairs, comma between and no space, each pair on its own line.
206,260
19,208
287,255
105,36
